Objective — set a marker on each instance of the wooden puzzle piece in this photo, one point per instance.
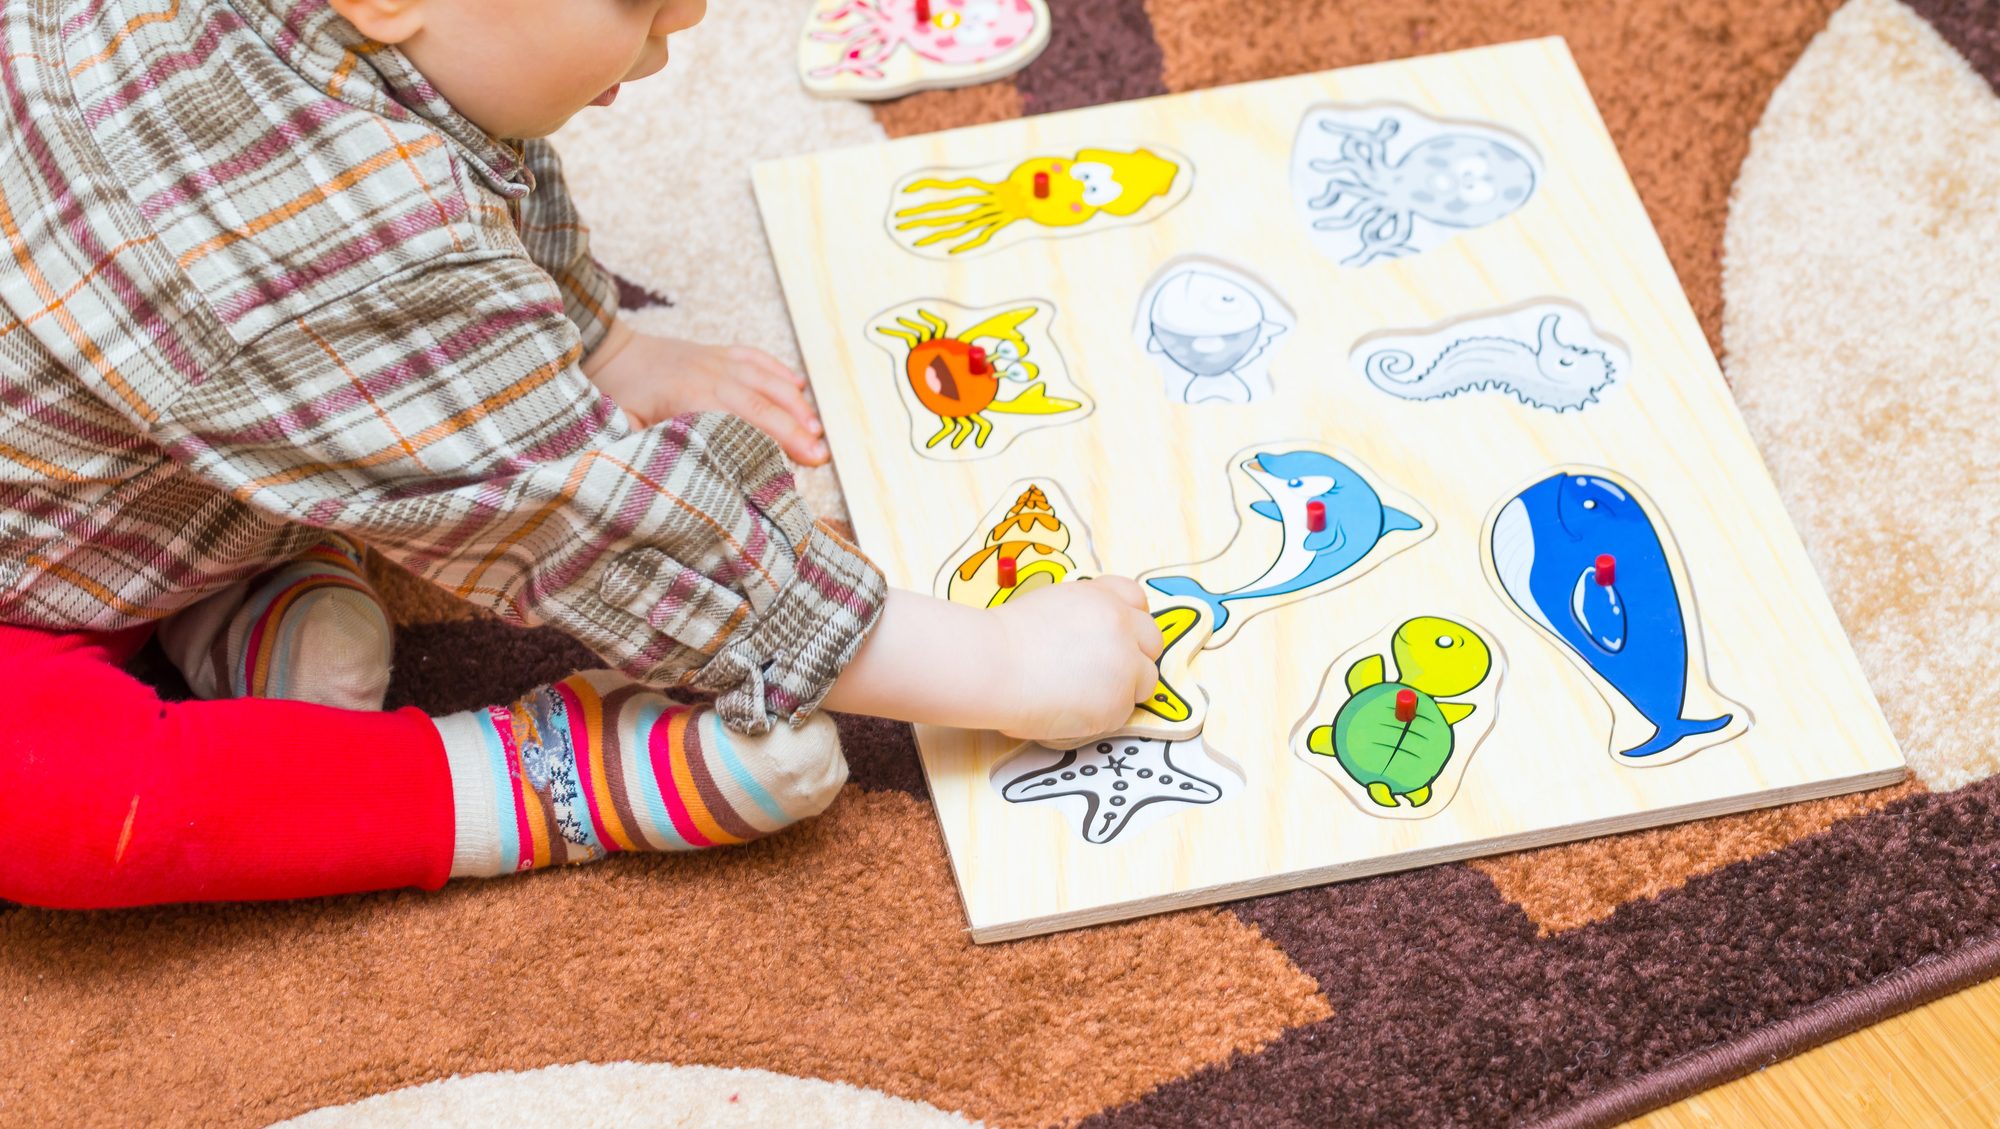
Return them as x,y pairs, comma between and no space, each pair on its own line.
1211,330
1330,521
974,390
1034,541
876,49
1547,355
1581,555
1397,719
1021,544
1178,706
1380,182
1119,785
943,213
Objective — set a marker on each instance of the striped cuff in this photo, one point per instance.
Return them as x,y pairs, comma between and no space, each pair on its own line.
783,666
470,751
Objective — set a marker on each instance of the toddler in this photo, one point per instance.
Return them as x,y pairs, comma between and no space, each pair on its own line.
285,277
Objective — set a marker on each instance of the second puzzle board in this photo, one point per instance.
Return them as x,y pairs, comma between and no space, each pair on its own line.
1382,383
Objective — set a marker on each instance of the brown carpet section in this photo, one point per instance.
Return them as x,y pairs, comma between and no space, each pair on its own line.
638,296
1450,1009
834,951
433,674
1680,85
933,110
411,600
1099,51
1972,26
1575,884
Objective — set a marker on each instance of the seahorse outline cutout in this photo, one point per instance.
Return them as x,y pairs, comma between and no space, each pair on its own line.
1547,353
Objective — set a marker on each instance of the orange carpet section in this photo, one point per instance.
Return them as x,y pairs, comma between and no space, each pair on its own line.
1575,884
833,951
945,109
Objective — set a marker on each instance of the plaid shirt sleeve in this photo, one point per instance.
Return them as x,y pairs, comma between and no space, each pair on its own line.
440,417
558,241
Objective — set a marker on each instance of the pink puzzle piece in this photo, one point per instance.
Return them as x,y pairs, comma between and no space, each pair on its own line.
952,32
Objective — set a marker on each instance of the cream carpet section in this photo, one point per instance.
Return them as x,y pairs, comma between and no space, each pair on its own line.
1862,330
631,1096
663,177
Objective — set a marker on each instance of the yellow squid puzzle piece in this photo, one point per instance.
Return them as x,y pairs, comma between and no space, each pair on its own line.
1048,191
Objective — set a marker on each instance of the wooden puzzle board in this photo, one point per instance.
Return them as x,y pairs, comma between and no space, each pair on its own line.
1151,481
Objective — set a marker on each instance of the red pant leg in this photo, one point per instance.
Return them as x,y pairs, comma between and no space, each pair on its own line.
110,797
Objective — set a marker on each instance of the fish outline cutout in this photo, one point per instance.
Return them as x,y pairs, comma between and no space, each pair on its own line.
1470,714
1548,353
1212,330
1366,522
1637,640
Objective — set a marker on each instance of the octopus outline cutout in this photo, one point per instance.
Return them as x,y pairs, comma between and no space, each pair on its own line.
1388,180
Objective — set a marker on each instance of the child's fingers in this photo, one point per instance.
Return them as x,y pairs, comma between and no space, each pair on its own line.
765,362
1125,588
786,396
1148,634
774,421
1145,678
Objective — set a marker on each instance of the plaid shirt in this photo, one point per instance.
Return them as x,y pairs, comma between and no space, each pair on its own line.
258,277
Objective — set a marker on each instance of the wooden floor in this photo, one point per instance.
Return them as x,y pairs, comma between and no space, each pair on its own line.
1936,1066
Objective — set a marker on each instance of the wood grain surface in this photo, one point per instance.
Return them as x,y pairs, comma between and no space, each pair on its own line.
1151,480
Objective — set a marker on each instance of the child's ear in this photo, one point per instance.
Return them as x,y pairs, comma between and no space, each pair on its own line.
384,21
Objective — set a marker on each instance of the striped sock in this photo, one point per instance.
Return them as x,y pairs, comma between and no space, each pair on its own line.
310,631
596,764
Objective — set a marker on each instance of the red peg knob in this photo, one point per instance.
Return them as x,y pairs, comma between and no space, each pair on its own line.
1316,517
1006,572
979,365
1607,570
1406,706
923,11
1041,186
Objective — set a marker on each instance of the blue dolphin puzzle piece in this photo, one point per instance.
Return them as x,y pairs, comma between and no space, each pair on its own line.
1355,520
1546,542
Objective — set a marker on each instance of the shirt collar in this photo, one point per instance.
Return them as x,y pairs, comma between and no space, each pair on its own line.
311,38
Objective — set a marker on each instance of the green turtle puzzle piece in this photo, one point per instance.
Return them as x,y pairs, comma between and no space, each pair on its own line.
1394,759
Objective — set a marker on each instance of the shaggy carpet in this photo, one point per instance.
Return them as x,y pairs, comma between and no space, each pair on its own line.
1826,177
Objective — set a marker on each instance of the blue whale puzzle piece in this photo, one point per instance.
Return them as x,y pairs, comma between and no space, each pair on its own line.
1356,520
1546,542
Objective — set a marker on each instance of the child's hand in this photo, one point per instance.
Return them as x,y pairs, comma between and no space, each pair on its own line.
658,378
1076,658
